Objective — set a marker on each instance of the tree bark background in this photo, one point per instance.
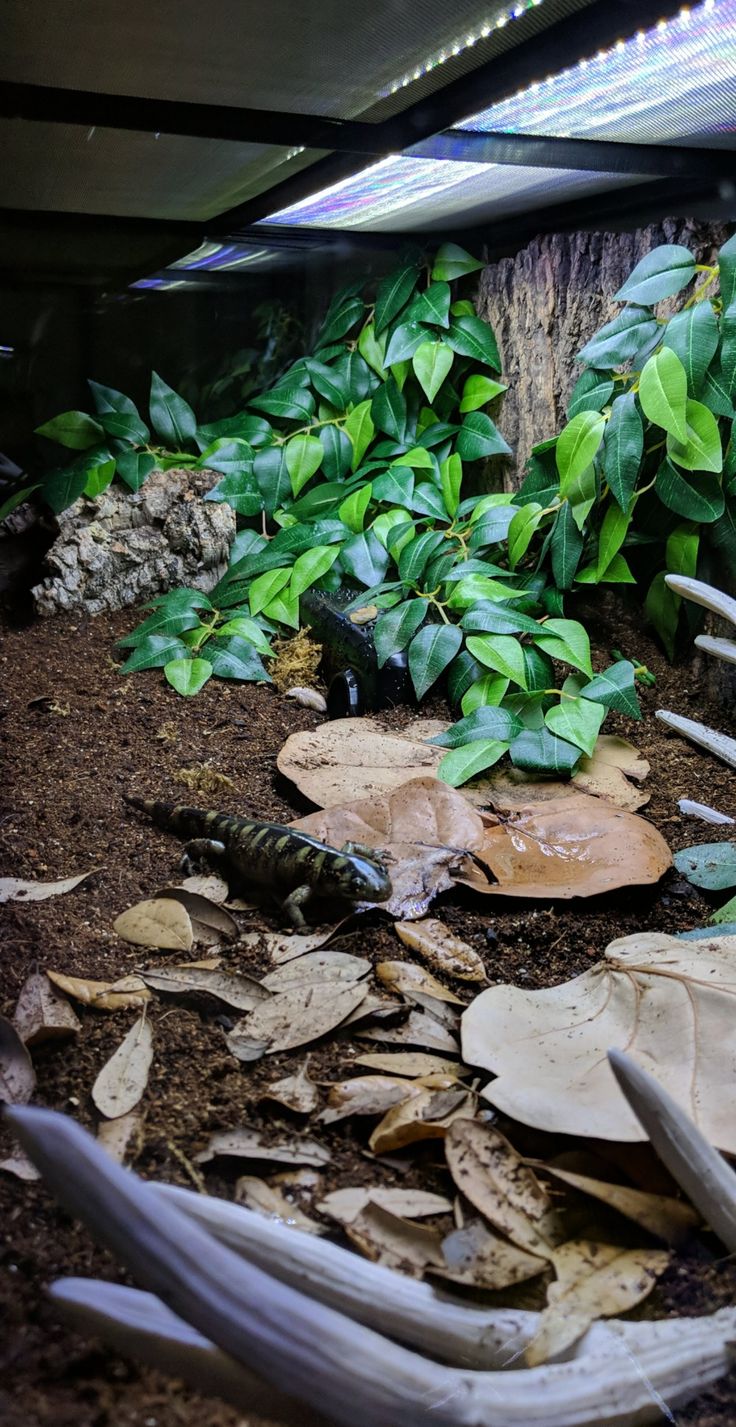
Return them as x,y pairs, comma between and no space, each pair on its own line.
545,303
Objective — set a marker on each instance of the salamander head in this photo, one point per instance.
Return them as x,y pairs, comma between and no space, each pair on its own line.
363,881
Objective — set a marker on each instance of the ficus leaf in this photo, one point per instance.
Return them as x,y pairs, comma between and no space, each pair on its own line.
430,652
467,761
577,445
397,627
615,688
577,721
663,392
431,363
171,416
500,652
624,445
187,676
660,274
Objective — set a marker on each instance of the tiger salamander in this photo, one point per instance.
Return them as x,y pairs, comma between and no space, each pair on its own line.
288,864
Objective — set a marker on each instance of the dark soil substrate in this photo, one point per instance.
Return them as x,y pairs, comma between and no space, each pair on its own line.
68,759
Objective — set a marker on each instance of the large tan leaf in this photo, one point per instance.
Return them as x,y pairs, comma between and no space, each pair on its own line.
353,758
427,1113
161,923
481,1259
423,829
15,889
346,1204
364,1095
243,993
286,946
490,1173
444,952
129,993
41,1014
419,1029
568,847
407,978
297,1092
670,1004
122,1081
605,775
270,1201
316,968
17,1076
593,1281
669,1219
294,1017
210,920
398,1243
412,1064
250,1144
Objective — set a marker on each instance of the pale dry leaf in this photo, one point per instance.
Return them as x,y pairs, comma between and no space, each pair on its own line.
593,1281
271,1202
569,847
364,1095
233,989
286,946
19,1165
423,829
444,952
348,759
426,1114
161,923
669,1219
607,773
397,1243
475,1256
668,1003
41,1014
346,1204
16,889
127,994
294,1017
412,1064
17,1076
121,1137
123,1079
407,978
211,886
490,1173
317,967
297,1092
383,1009
419,1029
209,915
308,698
447,1015
250,1144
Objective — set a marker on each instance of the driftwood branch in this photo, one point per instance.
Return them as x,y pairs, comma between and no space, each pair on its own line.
337,1366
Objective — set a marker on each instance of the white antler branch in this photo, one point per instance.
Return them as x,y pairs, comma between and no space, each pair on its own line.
698,1168
705,595
336,1365
708,738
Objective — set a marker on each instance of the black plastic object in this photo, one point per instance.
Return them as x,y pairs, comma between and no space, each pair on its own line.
350,669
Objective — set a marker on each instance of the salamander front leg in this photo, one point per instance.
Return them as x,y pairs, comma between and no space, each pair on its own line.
293,906
201,852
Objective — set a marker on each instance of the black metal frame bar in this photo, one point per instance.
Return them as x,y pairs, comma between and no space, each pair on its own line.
594,155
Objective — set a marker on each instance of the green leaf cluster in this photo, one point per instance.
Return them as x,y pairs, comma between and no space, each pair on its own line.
354,465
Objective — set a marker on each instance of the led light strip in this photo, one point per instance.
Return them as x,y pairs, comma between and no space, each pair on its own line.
608,97
549,116
464,42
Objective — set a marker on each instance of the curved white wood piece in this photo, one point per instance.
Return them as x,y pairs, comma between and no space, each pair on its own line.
706,595
701,810
724,649
338,1366
709,738
706,1177
141,1326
